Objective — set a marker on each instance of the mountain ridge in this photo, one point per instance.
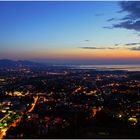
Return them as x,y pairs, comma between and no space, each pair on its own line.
16,63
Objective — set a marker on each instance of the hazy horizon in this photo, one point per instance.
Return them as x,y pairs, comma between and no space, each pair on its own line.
79,62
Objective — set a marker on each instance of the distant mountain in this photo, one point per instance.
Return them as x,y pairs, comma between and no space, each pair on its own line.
11,63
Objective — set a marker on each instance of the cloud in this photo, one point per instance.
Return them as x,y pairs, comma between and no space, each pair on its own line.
99,48
92,48
87,40
132,44
111,48
107,27
110,19
116,44
135,48
127,44
131,25
131,21
132,7
114,48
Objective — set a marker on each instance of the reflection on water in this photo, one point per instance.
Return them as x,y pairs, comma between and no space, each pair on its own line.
108,67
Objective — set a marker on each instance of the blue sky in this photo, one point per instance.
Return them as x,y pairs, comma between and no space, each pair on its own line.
59,30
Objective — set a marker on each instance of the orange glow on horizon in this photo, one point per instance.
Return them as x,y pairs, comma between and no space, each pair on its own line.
88,54
77,53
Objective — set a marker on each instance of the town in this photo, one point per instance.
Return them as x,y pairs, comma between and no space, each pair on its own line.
59,102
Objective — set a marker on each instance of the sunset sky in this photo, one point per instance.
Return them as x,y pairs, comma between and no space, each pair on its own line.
71,32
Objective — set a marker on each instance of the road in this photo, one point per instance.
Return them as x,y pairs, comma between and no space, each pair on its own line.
4,130
14,124
33,104
77,89
95,110
4,117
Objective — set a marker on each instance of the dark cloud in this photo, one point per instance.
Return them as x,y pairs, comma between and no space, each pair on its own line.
132,20
128,44
111,19
112,48
132,7
135,48
127,18
132,44
95,48
92,48
107,27
87,40
131,25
